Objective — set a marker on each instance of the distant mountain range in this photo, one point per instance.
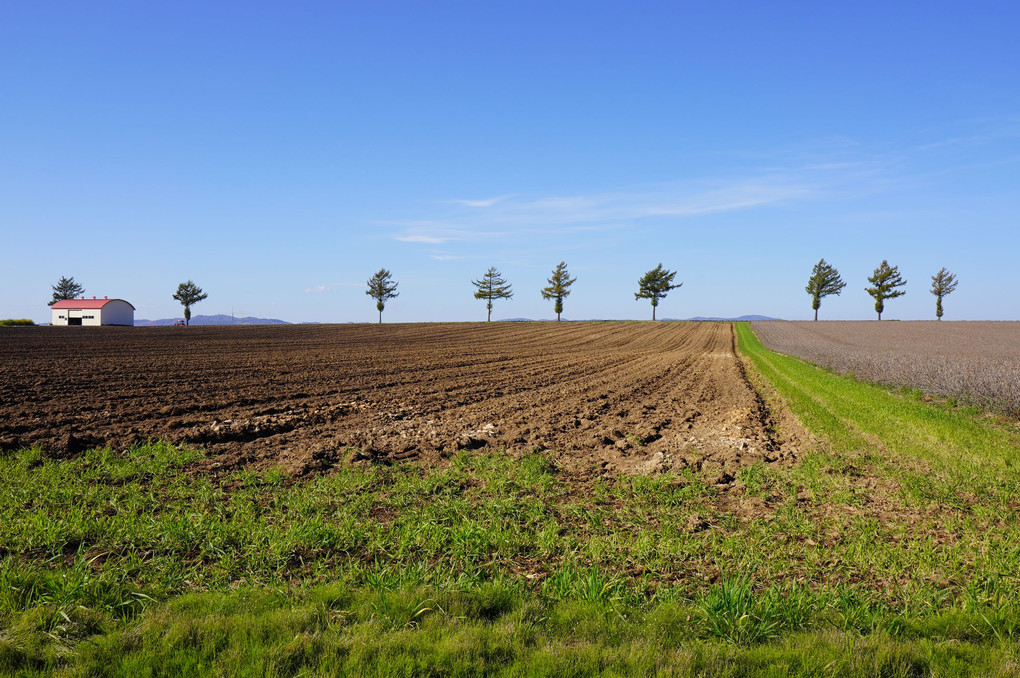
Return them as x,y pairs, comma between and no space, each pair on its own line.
212,320
248,320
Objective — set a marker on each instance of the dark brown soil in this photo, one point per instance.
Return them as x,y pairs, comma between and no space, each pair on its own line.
632,397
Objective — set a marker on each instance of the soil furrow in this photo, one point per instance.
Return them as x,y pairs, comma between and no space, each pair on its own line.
633,397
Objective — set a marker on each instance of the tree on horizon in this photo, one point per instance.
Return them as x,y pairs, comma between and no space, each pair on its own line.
189,294
492,286
66,288
655,284
382,288
559,287
886,279
824,281
942,284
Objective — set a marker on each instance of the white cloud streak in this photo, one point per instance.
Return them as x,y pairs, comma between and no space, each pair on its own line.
487,202
427,239
323,289
981,132
510,216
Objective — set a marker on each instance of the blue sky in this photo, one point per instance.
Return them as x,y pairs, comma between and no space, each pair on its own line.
278,154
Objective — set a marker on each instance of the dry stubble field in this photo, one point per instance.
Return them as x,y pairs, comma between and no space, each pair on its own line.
632,397
976,361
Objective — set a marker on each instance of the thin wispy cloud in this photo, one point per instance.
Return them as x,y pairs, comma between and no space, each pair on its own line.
849,165
487,202
957,141
982,131
323,289
514,216
438,232
421,238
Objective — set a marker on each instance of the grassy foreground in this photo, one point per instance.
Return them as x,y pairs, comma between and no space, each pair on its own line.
890,548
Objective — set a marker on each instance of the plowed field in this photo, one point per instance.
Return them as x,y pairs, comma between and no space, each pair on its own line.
635,397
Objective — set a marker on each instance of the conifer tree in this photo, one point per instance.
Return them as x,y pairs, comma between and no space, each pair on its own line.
559,287
942,284
189,294
886,279
66,288
655,284
492,286
381,288
824,281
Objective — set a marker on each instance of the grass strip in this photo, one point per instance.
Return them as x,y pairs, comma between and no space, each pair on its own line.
494,630
962,449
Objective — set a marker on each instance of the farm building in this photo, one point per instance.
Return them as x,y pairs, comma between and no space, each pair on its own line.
93,312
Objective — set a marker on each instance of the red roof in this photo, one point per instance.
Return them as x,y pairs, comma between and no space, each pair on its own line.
86,303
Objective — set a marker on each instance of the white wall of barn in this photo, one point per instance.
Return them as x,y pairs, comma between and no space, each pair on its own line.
118,312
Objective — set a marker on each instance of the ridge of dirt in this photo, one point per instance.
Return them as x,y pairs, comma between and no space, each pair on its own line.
612,396
786,434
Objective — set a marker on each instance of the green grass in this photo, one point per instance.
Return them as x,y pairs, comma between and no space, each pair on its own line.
953,451
888,548
16,322
491,631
